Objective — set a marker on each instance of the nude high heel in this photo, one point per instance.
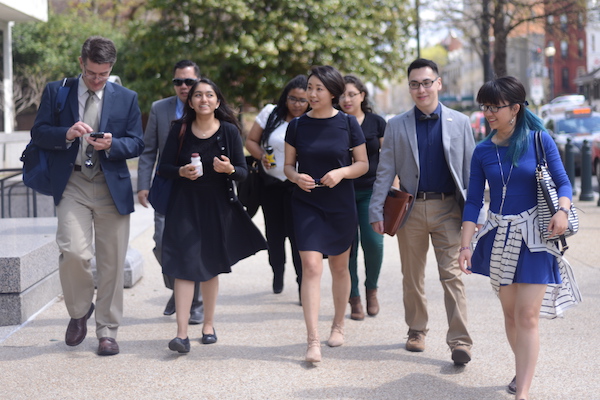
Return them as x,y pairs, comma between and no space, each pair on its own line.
313,351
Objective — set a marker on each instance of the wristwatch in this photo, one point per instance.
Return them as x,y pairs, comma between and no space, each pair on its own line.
566,211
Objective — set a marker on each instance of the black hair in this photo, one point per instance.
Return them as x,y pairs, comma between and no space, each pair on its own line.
280,112
99,50
331,79
423,63
187,63
222,113
365,106
509,89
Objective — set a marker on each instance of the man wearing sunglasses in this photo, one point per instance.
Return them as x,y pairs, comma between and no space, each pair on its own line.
429,148
185,74
91,187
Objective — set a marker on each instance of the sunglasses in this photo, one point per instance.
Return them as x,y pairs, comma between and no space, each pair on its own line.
188,81
89,152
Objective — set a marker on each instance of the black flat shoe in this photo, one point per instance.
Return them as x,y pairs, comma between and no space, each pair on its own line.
278,284
209,338
512,386
180,345
170,308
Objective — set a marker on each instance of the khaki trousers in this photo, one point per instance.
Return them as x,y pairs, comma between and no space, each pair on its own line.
88,218
440,220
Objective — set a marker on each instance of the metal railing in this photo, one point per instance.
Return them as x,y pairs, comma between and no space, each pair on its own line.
13,191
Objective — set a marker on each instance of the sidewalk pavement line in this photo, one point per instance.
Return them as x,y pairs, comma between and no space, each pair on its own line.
41,310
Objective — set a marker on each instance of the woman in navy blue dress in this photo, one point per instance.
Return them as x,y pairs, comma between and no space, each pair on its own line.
526,271
325,150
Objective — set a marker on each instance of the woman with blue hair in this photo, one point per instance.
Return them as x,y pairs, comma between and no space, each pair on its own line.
525,270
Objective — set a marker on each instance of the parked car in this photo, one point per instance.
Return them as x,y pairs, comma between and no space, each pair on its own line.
578,124
478,125
596,158
561,104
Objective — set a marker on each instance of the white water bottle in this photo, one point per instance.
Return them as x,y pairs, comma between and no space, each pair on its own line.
197,162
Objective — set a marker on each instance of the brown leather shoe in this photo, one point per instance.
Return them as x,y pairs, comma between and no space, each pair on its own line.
461,354
356,309
107,347
416,341
372,303
77,329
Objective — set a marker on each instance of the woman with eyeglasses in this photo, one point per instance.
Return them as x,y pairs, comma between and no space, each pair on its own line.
355,101
266,142
526,271
324,151
207,229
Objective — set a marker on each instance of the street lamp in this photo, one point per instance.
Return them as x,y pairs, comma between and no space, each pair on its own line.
550,52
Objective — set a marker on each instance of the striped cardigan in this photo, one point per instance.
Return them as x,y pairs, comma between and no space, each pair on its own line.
505,254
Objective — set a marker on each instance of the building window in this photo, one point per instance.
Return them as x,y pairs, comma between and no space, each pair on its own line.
564,49
564,22
549,23
565,79
580,21
580,48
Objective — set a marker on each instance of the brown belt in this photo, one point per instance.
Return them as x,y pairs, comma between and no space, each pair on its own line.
433,195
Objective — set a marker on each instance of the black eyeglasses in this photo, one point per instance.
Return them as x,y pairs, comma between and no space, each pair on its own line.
427,83
89,152
296,100
493,109
187,81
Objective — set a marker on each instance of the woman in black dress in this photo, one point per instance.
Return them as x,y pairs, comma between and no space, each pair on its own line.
206,227
325,150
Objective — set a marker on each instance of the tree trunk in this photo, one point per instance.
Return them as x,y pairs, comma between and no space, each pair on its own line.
485,41
500,35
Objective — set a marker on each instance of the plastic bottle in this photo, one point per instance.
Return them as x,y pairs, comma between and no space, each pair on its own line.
197,162
270,156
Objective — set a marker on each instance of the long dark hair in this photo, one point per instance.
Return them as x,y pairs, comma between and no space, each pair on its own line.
510,90
365,106
331,79
222,113
280,112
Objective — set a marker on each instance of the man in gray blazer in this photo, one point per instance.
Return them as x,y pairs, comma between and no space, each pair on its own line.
429,148
162,113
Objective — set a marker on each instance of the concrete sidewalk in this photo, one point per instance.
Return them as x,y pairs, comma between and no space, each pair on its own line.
262,342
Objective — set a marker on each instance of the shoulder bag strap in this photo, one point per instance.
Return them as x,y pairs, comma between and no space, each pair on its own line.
181,134
61,97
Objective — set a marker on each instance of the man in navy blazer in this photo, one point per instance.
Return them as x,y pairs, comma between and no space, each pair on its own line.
429,148
91,186
162,113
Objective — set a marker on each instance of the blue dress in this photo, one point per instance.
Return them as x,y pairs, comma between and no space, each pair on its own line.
325,220
521,195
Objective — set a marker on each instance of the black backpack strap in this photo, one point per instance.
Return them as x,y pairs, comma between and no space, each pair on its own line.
349,132
61,97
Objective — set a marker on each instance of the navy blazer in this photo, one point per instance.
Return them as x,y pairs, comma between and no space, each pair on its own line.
120,116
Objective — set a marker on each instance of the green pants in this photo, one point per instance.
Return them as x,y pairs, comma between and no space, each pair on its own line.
371,243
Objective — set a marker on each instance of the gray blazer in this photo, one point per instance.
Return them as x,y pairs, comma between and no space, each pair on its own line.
162,113
400,156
